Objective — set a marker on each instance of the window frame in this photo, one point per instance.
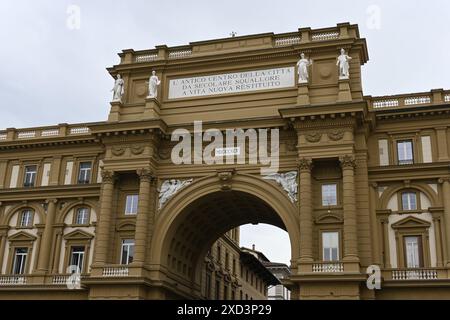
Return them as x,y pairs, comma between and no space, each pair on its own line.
75,216
419,250
83,262
87,179
34,181
400,201
339,245
20,219
122,245
25,263
413,150
322,185
132,195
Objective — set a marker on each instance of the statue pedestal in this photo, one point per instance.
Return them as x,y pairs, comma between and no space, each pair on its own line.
344,95
151,109
303,94
114,114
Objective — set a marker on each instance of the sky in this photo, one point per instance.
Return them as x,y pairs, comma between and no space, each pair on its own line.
53,69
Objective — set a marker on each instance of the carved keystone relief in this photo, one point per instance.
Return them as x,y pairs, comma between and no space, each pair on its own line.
288,181
169,188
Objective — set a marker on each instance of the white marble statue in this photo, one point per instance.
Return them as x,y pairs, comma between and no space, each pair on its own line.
302,69
288,182
344,66
153,84
118,89
169,188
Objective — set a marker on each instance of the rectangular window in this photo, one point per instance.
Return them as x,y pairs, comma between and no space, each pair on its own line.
405,152
413,250
217,290
409,201
30,176
76,259
127,251
26,219
131,204
330,246
208,285
329,195
20,258
82,216
84,175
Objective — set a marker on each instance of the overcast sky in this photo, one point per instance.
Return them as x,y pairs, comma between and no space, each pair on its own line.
51,73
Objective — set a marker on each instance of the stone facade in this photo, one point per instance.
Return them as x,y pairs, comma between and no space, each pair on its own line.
373,178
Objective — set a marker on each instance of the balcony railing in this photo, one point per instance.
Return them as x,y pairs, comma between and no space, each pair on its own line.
117,271
434,97
415,274
328,267
13,280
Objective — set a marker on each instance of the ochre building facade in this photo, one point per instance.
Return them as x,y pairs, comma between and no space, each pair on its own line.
372,186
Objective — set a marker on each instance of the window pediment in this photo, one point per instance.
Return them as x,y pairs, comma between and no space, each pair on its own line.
411,222
22,236
328,219
78,235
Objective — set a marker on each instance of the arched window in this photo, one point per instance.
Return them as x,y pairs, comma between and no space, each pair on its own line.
26,218
82,216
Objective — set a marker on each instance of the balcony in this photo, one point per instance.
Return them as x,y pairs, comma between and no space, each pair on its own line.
13,280
115,271
328,267
415,274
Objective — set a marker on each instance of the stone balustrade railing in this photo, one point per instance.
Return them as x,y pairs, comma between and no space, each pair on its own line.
435,97
62,130
415,274
115,271
328,267
13,280
306,35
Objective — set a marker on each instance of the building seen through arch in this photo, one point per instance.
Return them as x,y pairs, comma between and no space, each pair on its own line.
134,206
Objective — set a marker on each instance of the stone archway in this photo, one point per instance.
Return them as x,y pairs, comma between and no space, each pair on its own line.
202,212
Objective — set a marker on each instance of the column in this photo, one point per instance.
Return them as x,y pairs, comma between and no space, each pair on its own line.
3,239
446,201
104,223
143,213
437,238
375,239
305,207
387,253
349,205
47,235
57,255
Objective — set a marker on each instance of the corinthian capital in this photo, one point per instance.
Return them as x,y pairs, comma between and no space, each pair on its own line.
145,174
108,176
347,162
305,164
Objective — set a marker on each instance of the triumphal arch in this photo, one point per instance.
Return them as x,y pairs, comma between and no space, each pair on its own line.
205,137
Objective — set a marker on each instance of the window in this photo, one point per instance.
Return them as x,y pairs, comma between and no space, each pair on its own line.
76,258
217,290
26,219
330,246
219,254
131,204
227,261
127,251
20,258
413,251
84,175
409,201
329,195
405,152
30,176
82,216
225,292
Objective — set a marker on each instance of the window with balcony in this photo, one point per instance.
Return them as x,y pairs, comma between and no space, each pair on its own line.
329,195
409,201
20,258
127,251
131,204
82,216
413,251
26,218
76,259
330,246
405,152
29,179
84,173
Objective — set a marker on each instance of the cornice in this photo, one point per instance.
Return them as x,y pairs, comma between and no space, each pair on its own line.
43,193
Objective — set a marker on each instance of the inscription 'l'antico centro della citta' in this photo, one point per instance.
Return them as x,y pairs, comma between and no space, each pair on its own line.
288,181
169,188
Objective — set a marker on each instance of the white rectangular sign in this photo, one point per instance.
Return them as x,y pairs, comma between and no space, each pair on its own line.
230,151
232,83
